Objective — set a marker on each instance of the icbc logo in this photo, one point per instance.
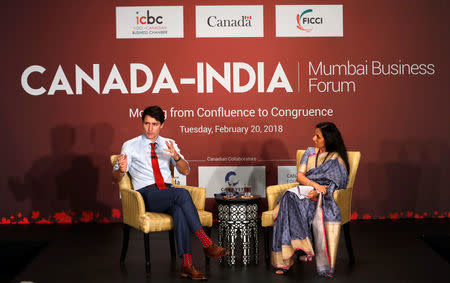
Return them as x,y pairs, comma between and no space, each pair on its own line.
148,20
302,20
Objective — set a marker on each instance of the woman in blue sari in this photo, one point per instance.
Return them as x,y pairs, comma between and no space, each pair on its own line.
305,212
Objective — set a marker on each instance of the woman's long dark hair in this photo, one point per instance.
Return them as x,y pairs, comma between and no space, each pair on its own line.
334,141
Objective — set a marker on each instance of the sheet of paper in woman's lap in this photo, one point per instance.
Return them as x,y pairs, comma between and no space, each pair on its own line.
301,191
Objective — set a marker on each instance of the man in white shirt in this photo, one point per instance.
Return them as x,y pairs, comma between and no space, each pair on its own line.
147,159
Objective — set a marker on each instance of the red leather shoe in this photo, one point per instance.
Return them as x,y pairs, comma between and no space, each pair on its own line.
192,272
216,251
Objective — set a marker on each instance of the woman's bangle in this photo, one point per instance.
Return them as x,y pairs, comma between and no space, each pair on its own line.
179,158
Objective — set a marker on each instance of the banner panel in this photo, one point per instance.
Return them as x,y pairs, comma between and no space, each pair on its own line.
149,22
229,21
309,20
287,174
216,178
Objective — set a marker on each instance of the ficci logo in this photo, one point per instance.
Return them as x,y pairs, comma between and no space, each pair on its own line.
303,20
148,20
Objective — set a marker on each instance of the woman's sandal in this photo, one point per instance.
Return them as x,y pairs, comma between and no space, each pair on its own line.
324,274
281,271
305,258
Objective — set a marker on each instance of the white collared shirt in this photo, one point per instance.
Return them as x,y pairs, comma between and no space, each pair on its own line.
139,163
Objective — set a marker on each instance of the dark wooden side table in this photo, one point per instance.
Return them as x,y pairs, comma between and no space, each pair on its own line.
239,215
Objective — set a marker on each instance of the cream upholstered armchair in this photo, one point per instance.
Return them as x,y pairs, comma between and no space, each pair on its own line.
343,199
134,215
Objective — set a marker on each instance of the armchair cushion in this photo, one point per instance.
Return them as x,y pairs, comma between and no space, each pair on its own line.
156,222
267,218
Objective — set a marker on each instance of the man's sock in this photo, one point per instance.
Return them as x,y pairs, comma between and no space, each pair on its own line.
201,235
187,260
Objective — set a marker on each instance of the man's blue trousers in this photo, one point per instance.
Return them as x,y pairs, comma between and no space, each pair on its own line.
176,202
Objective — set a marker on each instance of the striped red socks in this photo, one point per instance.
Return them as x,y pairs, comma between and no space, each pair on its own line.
201,235
187,260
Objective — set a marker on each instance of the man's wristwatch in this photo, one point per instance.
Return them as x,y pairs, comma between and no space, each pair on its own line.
179,158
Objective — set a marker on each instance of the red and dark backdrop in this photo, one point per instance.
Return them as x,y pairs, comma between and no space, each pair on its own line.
55,148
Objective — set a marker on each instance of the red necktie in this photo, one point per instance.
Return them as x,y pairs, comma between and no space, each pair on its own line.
158,176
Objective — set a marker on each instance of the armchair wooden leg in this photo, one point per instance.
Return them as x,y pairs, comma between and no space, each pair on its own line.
267,235
125,240
208,232
147,252
348,242
172,244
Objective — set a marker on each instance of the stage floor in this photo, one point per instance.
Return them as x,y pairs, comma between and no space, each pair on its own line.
385,250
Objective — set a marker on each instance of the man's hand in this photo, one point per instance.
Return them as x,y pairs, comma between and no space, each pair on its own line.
123,164
118,174
182,165
170,151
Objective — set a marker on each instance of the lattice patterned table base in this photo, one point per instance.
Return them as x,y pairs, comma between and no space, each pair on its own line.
239,218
